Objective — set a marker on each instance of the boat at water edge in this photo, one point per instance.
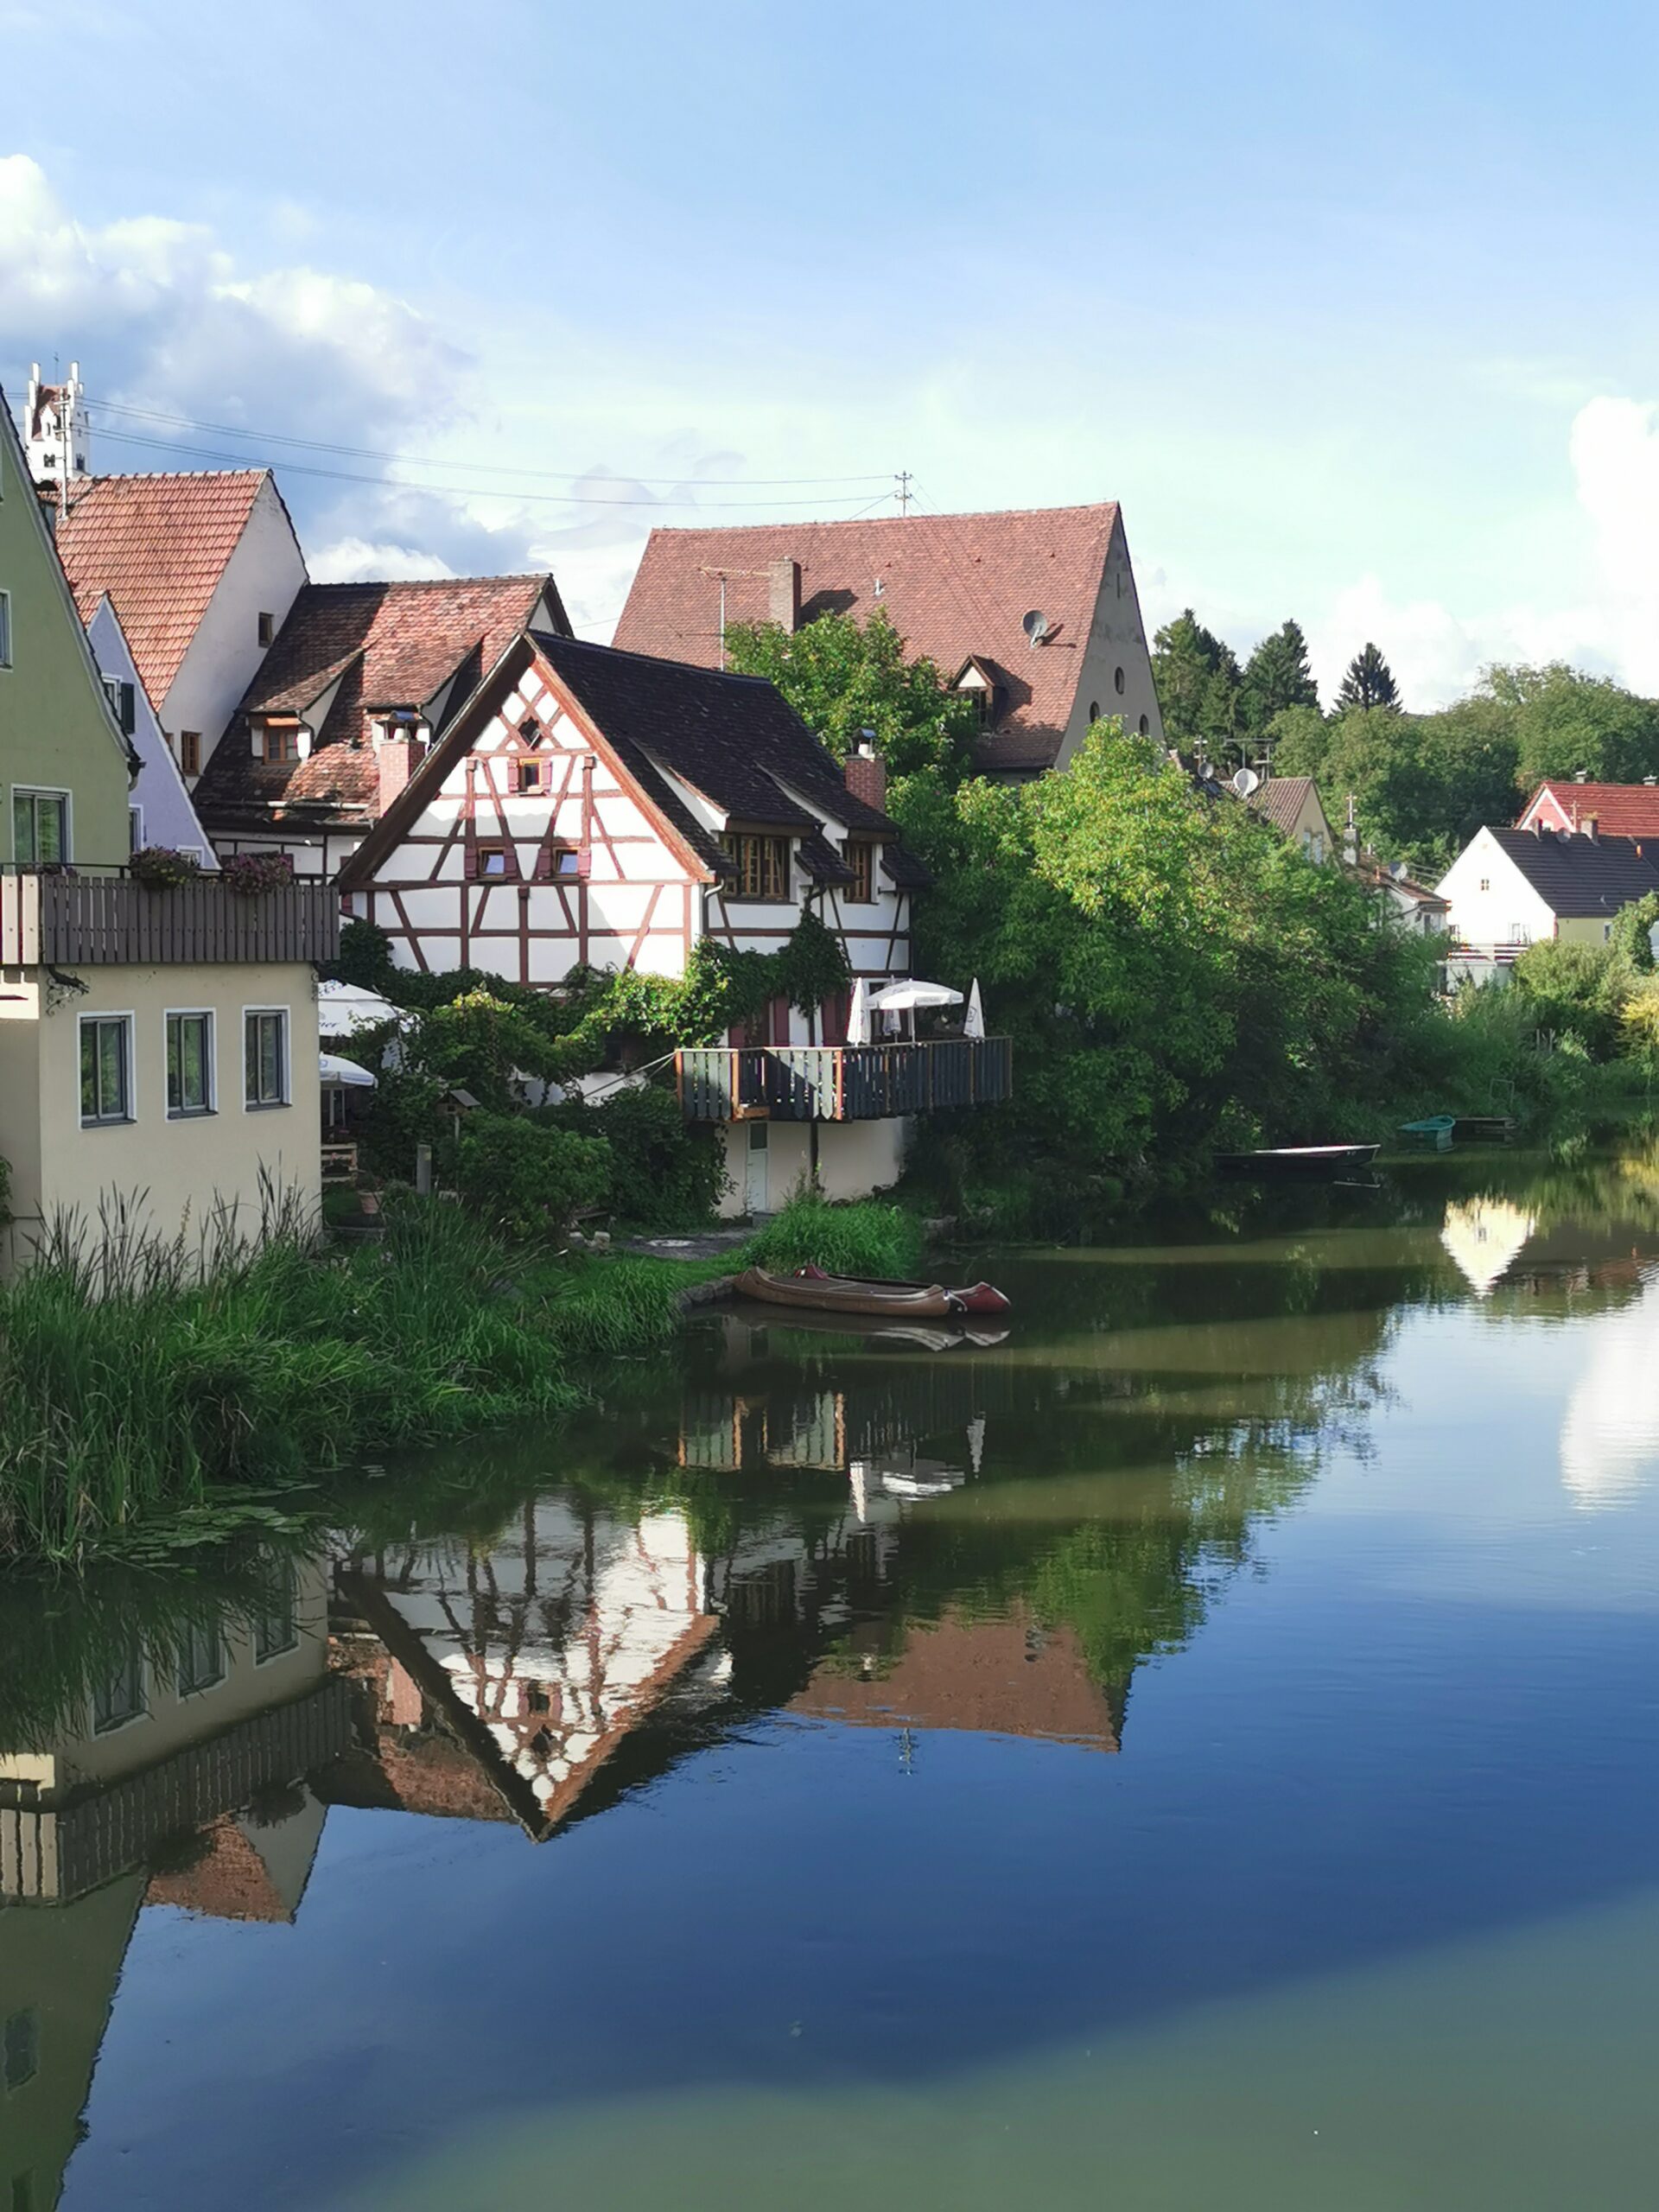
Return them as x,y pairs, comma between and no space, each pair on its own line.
1314,1162
814,1290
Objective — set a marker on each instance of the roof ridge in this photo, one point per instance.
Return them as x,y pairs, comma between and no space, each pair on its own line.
658,660
85,484
424,583
881,521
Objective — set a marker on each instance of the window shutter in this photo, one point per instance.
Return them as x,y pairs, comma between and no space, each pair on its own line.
470,863
544,863
127,710
584,862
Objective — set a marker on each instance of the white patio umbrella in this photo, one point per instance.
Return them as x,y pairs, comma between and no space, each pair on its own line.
331,1069
858,1015
342,1008
973,1023
905,998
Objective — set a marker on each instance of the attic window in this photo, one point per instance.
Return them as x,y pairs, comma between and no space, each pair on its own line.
280,740
267,629
530,776
759,864
1145,727
1117,681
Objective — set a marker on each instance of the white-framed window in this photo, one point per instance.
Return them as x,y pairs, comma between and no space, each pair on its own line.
135,828
39,827
119,1700
274,1629
190,1086
5,629
107,1086
123,703
264,1056
202,1658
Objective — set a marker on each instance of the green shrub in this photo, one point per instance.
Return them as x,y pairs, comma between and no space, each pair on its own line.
1576,990
864,1239
666,1172
526,1180
364,958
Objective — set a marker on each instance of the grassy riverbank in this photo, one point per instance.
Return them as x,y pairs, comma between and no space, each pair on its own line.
132,1393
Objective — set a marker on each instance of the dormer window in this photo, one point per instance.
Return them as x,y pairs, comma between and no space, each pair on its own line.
977,680
761,864
280,740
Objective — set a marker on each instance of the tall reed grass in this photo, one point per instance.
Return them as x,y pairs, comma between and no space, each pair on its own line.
132,1382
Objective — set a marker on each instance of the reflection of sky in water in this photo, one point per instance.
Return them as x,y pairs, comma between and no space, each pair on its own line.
1610,1434
1485,1236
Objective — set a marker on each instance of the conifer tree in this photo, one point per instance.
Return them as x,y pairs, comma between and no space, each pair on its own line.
1368,683
1277,678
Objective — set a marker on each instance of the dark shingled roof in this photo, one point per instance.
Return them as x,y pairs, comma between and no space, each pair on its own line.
735,739
386,645
1580,878
1281,799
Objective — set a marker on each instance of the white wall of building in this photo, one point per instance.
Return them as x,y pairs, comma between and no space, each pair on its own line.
263,576
167,815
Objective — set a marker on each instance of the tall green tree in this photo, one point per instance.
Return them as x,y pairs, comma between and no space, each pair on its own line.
1566,723
1198,680
1368,682
1277,678
844,677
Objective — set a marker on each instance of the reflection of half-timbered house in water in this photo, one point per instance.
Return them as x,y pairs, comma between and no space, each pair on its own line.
183,1782
590,808
499,1680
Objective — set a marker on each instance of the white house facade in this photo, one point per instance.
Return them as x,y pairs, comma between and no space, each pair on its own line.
1510,888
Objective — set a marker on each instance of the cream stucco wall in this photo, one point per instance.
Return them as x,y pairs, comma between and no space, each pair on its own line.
182,1169
855,1158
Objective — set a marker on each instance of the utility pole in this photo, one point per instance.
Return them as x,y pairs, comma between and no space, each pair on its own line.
902,479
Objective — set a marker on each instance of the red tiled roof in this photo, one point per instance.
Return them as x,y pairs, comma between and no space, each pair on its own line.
158,546
1620,810
227,1879
956,586
1281,799
997,1676
391,644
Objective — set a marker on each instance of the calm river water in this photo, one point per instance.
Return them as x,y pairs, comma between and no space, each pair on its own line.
1197,1750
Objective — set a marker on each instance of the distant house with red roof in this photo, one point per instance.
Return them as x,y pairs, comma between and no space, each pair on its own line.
1564,805
1034,613
362,681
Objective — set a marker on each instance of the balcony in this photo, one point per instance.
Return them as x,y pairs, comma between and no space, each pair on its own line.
840,1082
80,919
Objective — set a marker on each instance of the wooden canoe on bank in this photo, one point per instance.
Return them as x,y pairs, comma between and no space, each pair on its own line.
819,1292
966,1298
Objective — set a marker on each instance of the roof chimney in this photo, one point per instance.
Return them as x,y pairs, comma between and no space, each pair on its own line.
784,594
867,773
397,759
1588,827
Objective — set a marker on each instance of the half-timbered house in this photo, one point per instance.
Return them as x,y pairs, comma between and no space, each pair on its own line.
592,808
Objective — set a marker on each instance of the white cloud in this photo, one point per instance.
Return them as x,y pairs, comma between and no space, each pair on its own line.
355,559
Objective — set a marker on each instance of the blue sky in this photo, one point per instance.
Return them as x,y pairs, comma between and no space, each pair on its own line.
1351,307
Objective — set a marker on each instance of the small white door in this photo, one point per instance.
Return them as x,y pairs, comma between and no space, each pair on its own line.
754,1179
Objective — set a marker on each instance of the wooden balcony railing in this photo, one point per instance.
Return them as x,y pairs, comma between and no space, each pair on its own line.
840,1082
108,920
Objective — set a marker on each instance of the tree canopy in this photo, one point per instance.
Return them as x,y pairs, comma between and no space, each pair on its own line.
1277,679
1198,681
843,678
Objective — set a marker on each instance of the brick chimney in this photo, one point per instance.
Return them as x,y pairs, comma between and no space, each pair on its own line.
397,759
784,594
867,777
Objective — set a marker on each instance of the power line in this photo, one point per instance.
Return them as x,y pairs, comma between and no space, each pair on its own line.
457,491
414,461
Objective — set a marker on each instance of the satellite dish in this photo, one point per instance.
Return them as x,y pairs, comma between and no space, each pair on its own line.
1035,626
1245,781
